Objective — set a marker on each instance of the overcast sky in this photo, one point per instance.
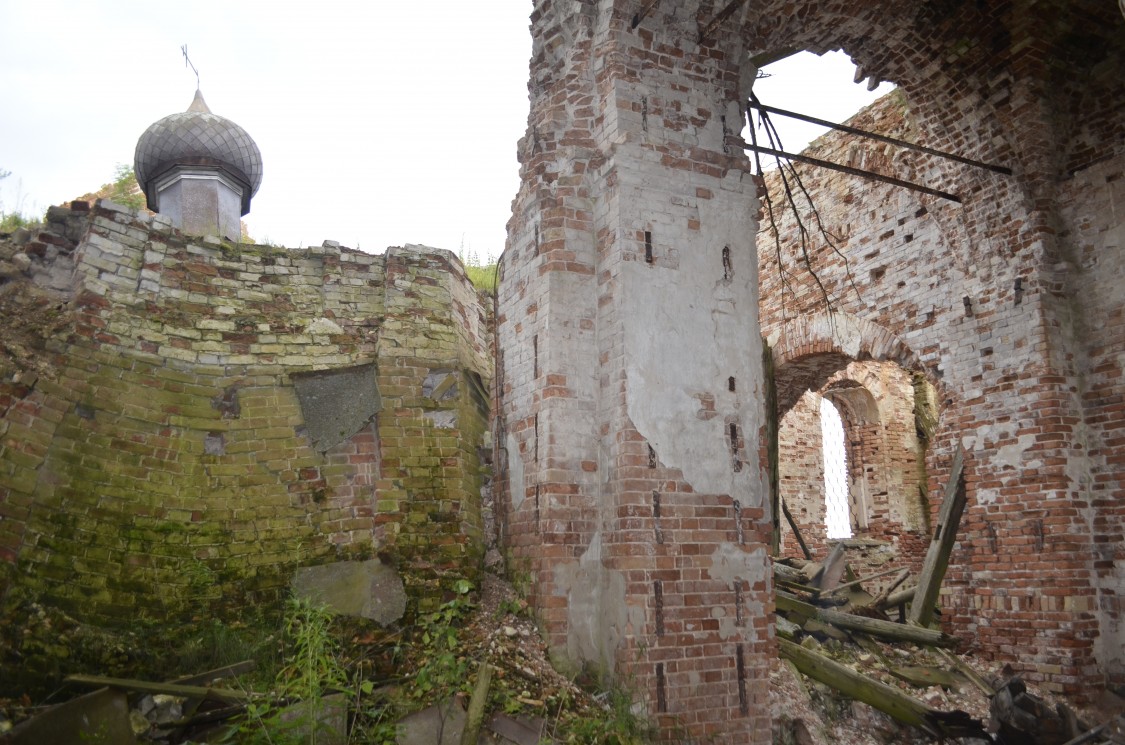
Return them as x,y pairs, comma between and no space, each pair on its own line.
380,123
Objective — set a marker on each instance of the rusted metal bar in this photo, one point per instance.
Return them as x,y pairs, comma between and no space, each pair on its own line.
848,169
723,14
881,138
644,11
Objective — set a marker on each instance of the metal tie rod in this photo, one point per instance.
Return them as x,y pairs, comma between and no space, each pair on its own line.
848,169
882,138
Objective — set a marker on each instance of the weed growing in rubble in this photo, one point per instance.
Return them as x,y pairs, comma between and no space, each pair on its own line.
313,672
617,724
444,668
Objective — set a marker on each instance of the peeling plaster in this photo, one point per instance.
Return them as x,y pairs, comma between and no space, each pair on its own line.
708,332
1011,455
597,613
731,564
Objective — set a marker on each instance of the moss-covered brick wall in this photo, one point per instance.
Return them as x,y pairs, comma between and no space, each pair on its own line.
156,462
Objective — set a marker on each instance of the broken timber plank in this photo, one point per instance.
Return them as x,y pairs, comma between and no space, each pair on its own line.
788,573
172,689
191,704
921,676
883,697
842,678
974,677
937,557
897,598
796,532
477,704
872,626
227,671
868,578
832,570
813,626
797,585
885,595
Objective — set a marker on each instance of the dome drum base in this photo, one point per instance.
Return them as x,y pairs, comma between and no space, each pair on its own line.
200,201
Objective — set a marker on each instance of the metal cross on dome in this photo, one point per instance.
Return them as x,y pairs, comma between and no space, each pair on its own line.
187,63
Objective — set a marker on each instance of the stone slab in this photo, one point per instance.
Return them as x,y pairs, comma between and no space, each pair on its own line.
101,716
441,724
335,404
367,589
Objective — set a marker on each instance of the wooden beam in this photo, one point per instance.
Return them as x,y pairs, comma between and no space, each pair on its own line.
172,689
945,535
774,55
883,697
796,532
885,595
845,169
789,584
882,138
784,571
477,704
872,626
925,676
901,597
868,578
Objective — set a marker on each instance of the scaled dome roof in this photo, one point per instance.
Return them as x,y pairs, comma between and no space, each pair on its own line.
198,137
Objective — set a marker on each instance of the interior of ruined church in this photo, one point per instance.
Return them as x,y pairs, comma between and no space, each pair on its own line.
724,401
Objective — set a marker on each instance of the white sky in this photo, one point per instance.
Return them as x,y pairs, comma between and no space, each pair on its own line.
836,513
380,123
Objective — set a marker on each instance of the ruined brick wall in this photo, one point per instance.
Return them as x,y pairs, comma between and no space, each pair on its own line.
616,342
162,460
631,374
989,298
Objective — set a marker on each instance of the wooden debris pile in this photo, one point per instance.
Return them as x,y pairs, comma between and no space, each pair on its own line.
824,624
872,648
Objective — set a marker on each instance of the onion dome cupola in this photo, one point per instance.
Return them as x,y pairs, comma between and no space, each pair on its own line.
199,169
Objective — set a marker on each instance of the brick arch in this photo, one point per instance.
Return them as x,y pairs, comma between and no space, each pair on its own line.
885,461
810,349
854,401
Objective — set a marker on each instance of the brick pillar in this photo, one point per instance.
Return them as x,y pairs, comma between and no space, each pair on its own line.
631,379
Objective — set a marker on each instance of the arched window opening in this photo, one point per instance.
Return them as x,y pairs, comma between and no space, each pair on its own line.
837,515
